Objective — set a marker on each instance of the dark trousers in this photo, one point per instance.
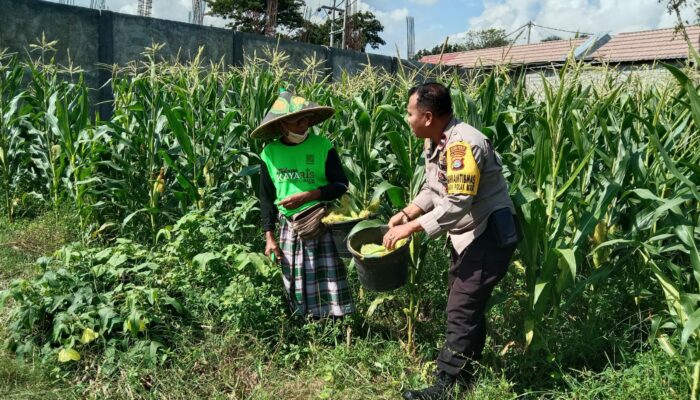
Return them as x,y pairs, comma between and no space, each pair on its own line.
472,277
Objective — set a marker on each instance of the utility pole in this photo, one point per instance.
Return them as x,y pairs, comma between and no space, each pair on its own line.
333,23
271,26
350,7
345,23
529,29
145,7
98,4
410,38
197,14
333,10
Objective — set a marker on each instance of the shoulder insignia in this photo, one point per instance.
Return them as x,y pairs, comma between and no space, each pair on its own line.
462,171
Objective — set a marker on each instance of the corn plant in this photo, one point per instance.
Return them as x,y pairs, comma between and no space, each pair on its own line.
59,113
604,174
13,146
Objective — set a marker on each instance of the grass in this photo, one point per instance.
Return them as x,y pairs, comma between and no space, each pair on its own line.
650,375
314,361
21,243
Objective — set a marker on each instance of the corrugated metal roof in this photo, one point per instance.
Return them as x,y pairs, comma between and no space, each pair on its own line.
659,44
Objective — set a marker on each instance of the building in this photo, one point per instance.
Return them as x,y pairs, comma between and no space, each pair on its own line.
631,48
631,53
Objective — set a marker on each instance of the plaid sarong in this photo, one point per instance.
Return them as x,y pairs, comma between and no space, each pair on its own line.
314,276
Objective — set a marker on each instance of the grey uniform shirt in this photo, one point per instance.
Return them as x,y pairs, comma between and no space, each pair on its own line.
464,184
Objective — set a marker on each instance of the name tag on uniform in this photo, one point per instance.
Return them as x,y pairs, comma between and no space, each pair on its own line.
462,172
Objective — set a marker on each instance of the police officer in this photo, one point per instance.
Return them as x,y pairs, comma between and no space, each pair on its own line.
466,196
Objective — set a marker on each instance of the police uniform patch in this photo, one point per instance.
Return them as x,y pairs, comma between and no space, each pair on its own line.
462,172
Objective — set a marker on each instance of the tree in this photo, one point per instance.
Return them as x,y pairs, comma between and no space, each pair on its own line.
674,7
449,48
363,29
474,40
486,38
251,15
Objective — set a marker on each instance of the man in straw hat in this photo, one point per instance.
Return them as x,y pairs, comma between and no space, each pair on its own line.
301,171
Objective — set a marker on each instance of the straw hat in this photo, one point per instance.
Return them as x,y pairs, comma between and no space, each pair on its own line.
290,106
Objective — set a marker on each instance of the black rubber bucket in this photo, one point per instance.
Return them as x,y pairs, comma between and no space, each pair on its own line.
340,231
380,274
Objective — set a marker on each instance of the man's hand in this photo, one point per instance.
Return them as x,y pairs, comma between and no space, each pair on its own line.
271,246
399,218
297,200
409,213
400,232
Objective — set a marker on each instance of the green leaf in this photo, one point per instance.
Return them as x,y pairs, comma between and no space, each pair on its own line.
250,170
570,258
686,235
687,84
132,215
539,288
615,243
4,295
574,174
666,346
590,220
88,336
376,302
690,327
176,304
203,259
651,132
117,259
384,187
68,355
153,350
671,291
399,148
645,194
362,225
524,195
180,134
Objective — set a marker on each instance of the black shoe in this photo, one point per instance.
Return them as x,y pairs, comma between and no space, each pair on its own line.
441,390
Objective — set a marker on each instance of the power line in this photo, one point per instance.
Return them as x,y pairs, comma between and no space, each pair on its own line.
562,30
517,30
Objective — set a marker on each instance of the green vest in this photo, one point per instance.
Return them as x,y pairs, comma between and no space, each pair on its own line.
296,169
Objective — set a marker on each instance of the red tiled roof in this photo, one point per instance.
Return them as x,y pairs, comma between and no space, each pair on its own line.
658,44
544,52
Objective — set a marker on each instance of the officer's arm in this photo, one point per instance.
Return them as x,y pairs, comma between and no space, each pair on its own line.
464,163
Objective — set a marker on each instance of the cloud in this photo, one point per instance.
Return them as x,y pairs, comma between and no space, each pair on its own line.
175,10
573,15
394,34
424,2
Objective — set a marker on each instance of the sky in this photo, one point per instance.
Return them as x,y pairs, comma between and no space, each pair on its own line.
437,19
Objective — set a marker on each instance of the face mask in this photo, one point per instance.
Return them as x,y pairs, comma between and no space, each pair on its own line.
294,137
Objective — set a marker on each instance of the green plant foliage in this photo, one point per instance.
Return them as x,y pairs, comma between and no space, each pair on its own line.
128,299
603,172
